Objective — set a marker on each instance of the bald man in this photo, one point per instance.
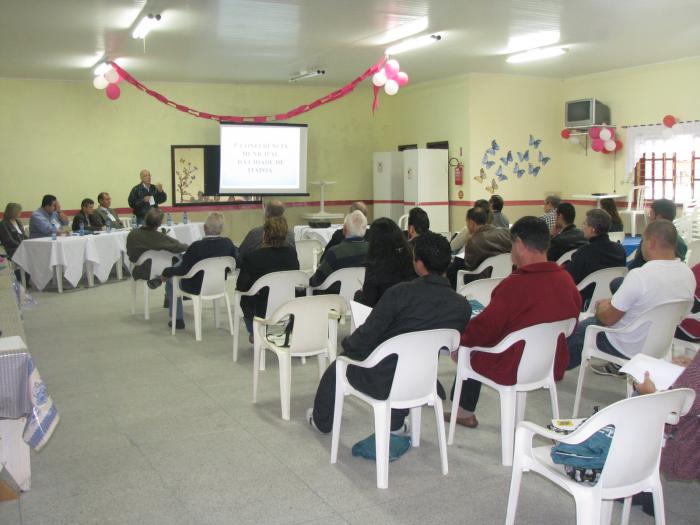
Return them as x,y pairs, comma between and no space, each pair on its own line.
145,196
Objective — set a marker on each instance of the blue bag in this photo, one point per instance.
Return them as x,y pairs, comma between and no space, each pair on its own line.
398,446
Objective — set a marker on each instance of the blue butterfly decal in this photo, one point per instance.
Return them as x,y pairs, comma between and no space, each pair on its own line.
534,142
544,160
499,174
494,145
493,187
486,162
508,158
524,156
517,171
533,170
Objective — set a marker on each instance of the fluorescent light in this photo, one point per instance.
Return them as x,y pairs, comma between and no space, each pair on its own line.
402,31
102,68
145,25
413,43
302,75
531,41
536,54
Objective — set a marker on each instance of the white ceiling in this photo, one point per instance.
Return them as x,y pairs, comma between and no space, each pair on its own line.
269,40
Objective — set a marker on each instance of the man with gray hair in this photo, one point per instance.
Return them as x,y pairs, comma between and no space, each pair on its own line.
253,240
349,253
551,203
212,245
338,235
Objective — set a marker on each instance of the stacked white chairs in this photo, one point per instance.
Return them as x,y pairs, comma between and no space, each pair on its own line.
350,279
480,290
314,333
636,206
632,464
308,252
213,288
403,222
616,236
414,385
659,323
535,371
281,288
601,279
501,266
693,256
565,258
160,260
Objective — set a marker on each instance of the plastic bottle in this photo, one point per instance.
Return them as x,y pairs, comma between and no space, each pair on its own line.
53,231
170,220
109,225
185,218
134,225
82,228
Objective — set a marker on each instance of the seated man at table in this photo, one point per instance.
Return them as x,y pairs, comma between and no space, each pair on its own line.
660,209
85,219
425,303
338,234
663,278
212,245
568,237
147,237
105,214
599,253
42,219
254,238
538,291
485,240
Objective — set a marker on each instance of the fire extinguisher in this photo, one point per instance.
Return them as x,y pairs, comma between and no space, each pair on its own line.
459,174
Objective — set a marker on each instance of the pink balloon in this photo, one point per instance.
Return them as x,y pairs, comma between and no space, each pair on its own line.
391,68
401,78
594,133
113,92
597,145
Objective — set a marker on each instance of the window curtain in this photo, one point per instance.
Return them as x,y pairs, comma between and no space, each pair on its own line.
681,139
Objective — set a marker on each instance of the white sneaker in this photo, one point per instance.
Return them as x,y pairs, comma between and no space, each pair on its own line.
405,430
310,418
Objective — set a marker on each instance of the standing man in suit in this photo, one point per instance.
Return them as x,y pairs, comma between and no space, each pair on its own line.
145,196
105,213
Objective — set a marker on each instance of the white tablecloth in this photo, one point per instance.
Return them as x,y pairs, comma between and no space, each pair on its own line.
186,233
322,234
110,248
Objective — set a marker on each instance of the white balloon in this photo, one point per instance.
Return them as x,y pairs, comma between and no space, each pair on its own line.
609,145
379,78
111,76
605,135
100,82
574,140
391,87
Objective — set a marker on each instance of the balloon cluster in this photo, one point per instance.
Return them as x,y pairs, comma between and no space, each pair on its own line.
602,139
670,122
391,77
108,81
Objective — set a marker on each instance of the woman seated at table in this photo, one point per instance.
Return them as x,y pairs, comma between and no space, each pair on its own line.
389,261
274,255
615,219
86,219
11,229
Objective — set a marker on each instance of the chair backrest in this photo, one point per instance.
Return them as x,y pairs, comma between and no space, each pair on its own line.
480,290
403,222
601,279
639,427
160,260
693,256
416,369
350,279
311,234
501,265
661,322
565,258
617,236
310,331
214,278
308,252
281,287
636,199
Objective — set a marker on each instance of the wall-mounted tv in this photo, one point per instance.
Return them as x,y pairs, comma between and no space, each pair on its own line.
586,112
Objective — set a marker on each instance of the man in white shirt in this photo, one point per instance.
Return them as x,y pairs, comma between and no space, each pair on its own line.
663,278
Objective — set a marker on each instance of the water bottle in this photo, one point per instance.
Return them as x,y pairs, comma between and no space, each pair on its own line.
134,224
109,225
170,220
53,231
185,218
82,228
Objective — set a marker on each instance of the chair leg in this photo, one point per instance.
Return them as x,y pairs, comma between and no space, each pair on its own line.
553,398
415,426
659,510
285,369
197,306
133,297
382,424
606,508
322,364
455,408
442,441
337,418
146,304
579,384
173,310
508,415
217,320
588,510
626,508
521,400
236,330
228,311
256,371
514,494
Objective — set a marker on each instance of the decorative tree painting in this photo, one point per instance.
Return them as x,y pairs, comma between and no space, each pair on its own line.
188,166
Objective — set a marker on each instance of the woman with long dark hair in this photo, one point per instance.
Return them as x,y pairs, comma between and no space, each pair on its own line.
389,261
615,219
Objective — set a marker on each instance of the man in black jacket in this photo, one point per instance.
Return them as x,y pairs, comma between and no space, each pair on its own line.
145,196
212,245
569,236
599,253
425,303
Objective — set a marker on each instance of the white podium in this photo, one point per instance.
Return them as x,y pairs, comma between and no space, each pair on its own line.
322,216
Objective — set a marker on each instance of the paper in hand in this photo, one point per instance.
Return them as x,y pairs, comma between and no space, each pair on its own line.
151,201
661,372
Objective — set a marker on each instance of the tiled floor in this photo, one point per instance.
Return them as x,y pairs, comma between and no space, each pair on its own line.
161,429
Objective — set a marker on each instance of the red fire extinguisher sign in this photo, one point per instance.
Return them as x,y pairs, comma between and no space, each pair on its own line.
459,174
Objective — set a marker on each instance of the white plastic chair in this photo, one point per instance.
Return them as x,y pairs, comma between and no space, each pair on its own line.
350,279
308,338
601,279
565,258
501,266
632,465
160,260
660,323
636,207
414,385
213,288
281,288
403,222
308,253
693,256
480,290
535,371
616,236
126,222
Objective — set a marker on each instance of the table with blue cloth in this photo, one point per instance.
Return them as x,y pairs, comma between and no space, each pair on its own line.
630,244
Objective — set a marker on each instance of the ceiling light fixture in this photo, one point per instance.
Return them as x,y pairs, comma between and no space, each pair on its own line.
531,40
536,54
303,75
147,23
413,43
403,31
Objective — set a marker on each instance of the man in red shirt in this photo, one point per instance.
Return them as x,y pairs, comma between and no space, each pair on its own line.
537,292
